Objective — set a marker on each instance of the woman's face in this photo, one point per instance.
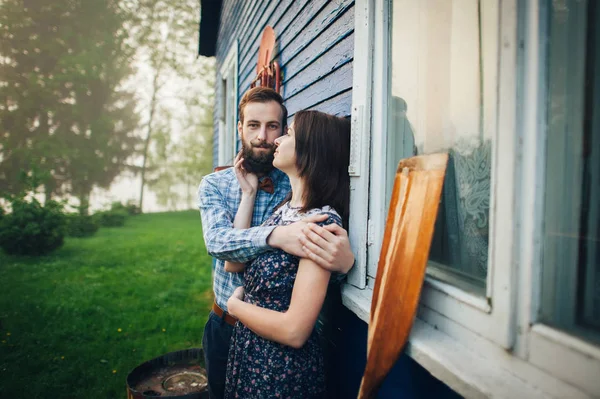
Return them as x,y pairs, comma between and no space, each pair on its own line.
285,152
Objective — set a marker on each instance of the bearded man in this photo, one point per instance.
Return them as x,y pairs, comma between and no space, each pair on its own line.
262,119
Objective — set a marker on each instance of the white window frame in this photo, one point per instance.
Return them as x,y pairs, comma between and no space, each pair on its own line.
479,346
360,143
228,76
467,309
542,345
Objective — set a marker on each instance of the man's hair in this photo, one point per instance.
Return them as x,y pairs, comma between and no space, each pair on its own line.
322,159
262,95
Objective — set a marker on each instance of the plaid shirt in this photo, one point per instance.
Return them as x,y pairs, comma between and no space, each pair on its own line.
219,197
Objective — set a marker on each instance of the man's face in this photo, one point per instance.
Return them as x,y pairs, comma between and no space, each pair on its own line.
262,125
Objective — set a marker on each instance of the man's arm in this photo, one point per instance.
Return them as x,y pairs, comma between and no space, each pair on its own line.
222,240
327,246
331,249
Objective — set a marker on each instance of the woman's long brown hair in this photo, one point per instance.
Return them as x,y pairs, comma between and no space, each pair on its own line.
322,158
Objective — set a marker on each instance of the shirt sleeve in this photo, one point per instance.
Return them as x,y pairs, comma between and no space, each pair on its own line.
222,240
337,278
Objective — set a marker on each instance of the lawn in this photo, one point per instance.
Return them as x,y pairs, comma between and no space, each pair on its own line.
73,324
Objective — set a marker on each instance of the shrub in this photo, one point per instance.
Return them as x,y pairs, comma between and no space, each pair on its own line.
32,229
111,218
81,225
130,208
117,206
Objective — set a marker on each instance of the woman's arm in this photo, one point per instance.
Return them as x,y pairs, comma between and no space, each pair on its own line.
243,217
294,326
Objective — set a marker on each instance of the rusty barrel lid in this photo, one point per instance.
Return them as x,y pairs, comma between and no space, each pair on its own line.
175,375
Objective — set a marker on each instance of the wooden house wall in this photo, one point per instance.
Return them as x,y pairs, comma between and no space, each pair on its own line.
314,46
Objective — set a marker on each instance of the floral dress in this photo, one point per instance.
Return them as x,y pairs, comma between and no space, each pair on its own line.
257,367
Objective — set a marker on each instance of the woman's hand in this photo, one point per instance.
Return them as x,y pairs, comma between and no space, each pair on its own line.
248,181
238,295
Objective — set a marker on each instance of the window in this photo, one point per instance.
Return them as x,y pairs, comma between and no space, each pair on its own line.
432,77
571,235
560,194
228,108
442,98
511,90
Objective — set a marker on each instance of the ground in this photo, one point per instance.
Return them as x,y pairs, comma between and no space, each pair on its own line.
76,322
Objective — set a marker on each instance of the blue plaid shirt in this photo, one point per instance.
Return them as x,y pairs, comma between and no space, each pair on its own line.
219,197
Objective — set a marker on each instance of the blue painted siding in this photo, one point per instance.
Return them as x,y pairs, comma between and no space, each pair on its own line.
314,48
308,33
406,380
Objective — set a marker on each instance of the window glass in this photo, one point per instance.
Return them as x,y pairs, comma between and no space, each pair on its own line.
443,79
571,245
228,137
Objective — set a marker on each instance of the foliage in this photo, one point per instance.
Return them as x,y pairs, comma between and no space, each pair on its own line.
182,164
130,208
117,206
64,114
176,127
74,110
79,225
111,218
76,322
32,229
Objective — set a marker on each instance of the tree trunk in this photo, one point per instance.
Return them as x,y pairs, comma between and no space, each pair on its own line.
48,192
156,86
84,204
146,147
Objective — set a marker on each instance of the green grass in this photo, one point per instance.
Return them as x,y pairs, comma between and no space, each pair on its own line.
76,322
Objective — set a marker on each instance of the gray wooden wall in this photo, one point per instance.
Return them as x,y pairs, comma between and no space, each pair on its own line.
314,46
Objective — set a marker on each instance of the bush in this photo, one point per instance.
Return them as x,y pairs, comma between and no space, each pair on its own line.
117,206
111,218
32,229
130,208
81,225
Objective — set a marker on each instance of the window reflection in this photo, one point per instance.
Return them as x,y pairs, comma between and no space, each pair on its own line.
442,99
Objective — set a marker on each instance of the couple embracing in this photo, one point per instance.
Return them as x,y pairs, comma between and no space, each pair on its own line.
276,224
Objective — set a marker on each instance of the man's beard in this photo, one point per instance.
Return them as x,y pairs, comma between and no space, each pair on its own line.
262,162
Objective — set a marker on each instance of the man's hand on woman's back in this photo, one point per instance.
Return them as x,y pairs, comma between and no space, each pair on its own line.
328,246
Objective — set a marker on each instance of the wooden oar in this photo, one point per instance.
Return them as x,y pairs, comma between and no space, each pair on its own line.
402,262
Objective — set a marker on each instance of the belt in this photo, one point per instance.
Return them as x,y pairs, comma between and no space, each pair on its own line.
229,319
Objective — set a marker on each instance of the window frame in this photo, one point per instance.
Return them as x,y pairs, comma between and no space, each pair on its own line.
360,143
539,343
474,312
461,338
228,142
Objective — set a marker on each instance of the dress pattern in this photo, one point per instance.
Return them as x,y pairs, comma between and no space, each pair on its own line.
257,367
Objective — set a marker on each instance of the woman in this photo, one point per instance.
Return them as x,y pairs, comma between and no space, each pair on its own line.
275,351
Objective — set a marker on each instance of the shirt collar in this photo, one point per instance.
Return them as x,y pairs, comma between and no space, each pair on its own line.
276,175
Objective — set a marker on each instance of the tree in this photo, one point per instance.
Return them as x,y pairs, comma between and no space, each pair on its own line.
64,113
73,108
177,85
178,166
29,93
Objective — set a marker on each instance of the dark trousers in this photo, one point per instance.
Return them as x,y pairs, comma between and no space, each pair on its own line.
215,341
